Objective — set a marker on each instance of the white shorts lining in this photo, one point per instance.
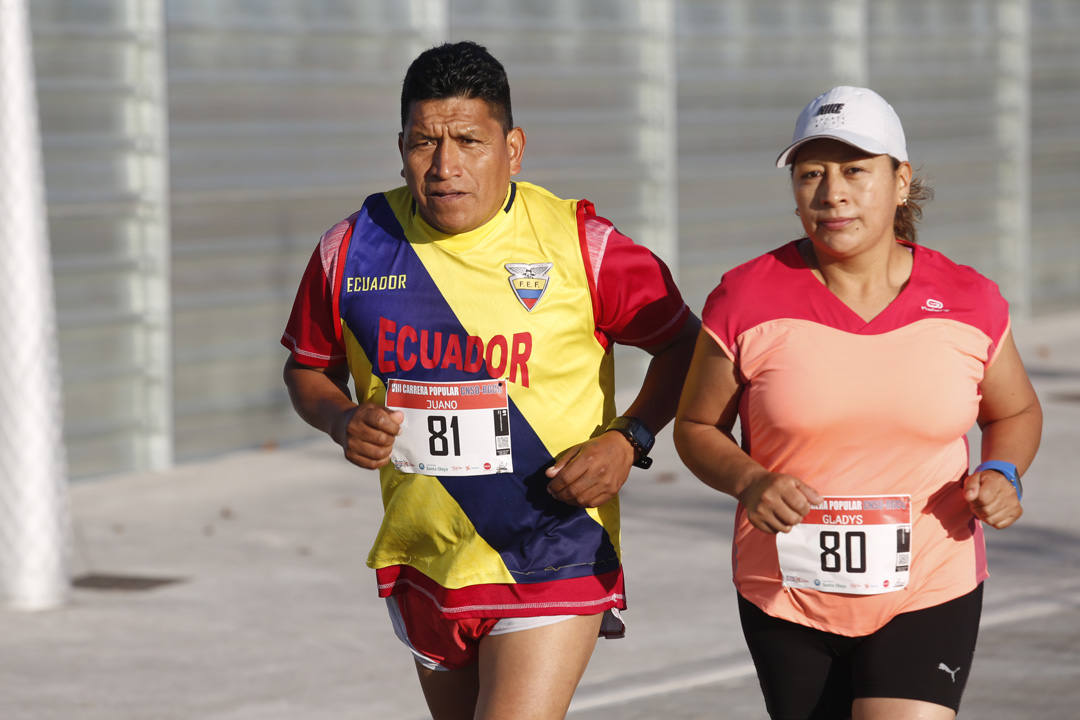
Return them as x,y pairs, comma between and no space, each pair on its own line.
502,627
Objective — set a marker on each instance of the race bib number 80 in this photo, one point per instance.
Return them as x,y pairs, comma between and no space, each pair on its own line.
457,428
850,544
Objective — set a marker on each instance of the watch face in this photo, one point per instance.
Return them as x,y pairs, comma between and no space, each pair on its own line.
635,431
643,436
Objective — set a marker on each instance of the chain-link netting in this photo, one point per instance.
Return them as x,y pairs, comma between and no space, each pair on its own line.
33,502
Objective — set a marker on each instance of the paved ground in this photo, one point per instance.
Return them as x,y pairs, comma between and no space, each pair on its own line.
236,590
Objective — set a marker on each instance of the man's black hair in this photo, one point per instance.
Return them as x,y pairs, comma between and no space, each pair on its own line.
462,69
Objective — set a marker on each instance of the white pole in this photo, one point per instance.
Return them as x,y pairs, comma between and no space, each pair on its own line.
150,239
431,20
849,50
1013,198
34,522
657,137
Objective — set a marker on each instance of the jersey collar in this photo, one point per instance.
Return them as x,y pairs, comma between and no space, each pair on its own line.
463,242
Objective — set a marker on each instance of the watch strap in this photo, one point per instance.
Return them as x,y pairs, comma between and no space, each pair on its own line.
640,438
1008,470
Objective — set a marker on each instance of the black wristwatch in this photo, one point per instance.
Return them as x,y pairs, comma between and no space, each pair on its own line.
640,437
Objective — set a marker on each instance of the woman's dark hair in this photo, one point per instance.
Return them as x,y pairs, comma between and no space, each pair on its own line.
463,69
908,214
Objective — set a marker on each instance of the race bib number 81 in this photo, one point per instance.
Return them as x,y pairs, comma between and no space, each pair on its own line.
458,428
858,544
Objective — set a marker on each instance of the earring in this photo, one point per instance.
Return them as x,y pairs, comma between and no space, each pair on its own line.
903,201
796,211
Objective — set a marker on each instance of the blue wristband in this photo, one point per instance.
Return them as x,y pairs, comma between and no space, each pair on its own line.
1008,470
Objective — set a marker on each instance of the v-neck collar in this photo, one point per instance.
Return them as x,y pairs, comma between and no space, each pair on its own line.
855,321
463,242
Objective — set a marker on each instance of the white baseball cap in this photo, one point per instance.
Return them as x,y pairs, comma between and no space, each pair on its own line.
853,115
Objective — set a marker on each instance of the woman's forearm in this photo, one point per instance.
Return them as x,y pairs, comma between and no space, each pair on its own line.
1014,439
714,457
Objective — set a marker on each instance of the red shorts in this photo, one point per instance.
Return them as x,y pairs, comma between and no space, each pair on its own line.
441,643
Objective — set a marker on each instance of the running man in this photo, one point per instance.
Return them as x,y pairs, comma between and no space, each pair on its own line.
476,316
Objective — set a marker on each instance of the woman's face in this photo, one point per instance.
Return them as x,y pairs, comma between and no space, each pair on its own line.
847,199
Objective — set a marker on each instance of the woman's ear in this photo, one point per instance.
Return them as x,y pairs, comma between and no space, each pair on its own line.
903,182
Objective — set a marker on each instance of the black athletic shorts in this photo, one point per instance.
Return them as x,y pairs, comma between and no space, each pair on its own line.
807,674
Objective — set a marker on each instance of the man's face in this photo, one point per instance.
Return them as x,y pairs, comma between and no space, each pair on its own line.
457,161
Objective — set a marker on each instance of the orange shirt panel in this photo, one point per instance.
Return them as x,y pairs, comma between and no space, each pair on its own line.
816,408
855,407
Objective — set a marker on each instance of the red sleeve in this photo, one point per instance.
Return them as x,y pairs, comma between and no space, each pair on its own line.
997,320
718,318
762,289
313,333
974,298
635,299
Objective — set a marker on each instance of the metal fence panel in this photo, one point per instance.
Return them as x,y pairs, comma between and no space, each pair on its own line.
281,124
282,118
668,114
98,66
1055,154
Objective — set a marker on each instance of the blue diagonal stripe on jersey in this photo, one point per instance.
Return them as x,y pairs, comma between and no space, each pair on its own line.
538,537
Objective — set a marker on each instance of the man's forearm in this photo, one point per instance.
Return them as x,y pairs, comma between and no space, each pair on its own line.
658,398
316,397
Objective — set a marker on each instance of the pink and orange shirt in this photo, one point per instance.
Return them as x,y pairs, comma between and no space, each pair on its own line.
856,408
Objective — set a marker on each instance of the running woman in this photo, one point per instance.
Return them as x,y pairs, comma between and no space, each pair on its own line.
856,361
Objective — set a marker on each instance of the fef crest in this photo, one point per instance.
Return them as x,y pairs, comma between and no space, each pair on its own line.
529,281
